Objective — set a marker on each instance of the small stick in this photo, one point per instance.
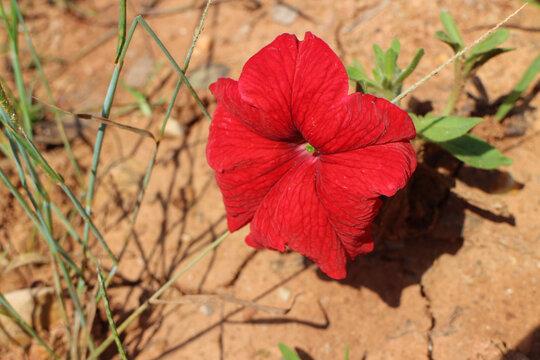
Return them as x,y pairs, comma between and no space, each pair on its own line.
215,299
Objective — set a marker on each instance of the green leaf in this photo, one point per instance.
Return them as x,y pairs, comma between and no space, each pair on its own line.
477,61
476,152
441,35
444,128
144,106
378,72
287,352
357,75
490,43
357,65
346,353
379,56
533,3
390,59
409,69
522,85
121,30
451,29
378,77
396,46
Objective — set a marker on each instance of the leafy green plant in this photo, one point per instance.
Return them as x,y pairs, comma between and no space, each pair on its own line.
451,132
387,78
464,66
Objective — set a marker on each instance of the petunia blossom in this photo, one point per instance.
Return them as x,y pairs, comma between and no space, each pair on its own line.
300,159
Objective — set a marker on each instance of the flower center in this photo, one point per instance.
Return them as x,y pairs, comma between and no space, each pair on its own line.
309,148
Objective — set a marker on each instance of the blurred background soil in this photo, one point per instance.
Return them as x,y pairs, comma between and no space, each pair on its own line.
456,269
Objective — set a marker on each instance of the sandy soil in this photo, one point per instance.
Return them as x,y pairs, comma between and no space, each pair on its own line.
454,277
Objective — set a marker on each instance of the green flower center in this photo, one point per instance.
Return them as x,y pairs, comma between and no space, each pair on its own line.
310,149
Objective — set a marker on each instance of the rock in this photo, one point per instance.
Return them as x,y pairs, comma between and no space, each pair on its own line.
284,293
283,14
124,180
37,307
206,310
203,77
515,126
46,132
174,129
127,173
138,73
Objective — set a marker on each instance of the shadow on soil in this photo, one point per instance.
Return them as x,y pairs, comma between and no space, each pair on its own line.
414,228
527,349
421,223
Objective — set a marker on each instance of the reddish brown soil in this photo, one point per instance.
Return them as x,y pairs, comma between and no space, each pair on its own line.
456,276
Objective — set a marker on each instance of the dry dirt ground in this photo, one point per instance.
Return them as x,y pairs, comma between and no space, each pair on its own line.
456,269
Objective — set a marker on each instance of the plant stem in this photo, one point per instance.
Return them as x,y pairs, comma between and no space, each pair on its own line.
459,82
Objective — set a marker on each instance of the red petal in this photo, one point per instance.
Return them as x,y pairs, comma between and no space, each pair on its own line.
292,215
320,86
327,117
351,218
349,183
360,121
246,164
266,84
369,172
227,95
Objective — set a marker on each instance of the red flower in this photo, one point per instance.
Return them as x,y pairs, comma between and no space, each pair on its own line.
300,159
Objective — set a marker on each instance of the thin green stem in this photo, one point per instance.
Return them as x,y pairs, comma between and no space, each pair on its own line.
459,82
60,299
107,105
121,30
147,176
108,312
181,73
12,30
53,246
59,123
36,217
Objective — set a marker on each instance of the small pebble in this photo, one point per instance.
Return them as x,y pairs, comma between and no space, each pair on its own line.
283,14
515,126
174,129
138,73
328,348
185,238
284,293
203,77
206,310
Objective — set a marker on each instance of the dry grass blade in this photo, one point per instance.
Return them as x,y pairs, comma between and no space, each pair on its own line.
102,120
25,259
